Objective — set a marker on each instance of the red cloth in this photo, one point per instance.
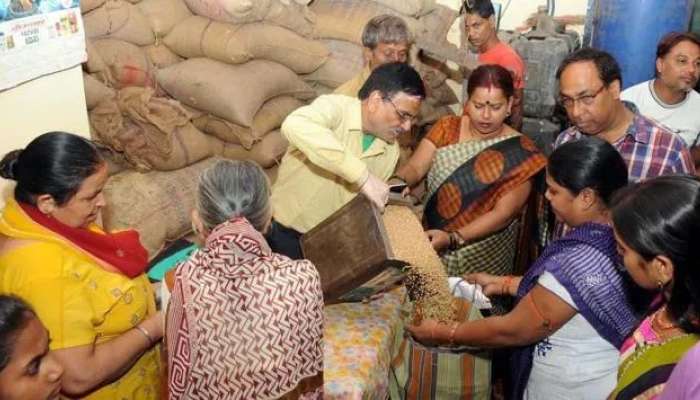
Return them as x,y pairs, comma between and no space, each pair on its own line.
504,55
122,250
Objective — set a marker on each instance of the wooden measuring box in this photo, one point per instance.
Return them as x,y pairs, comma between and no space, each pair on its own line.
349,249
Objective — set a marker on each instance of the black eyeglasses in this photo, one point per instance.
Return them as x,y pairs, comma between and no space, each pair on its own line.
586,99
403,115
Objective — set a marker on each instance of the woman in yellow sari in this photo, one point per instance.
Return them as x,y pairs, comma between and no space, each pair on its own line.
87,286
479,173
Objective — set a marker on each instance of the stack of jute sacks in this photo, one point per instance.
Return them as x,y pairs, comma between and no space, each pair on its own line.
171,83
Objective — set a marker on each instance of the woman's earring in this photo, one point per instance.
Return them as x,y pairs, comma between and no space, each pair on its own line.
660,285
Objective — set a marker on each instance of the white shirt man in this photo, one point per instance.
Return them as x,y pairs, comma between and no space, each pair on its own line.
670,98
682,118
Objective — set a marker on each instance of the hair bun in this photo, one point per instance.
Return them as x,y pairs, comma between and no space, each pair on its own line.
9,163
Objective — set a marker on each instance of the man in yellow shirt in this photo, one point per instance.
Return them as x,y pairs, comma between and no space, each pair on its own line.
340,146
386,39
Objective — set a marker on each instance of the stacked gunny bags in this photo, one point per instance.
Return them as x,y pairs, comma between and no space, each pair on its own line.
170,84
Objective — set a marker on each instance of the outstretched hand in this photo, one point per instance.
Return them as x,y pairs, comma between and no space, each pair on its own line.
427,332
439,239
376,190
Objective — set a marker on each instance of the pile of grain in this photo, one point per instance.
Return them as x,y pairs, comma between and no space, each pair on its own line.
426,280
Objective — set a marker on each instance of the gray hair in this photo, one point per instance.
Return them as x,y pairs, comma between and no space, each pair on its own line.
385,29
232,188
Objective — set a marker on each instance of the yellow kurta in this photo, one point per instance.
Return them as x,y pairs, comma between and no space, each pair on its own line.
352,87
78,301
324,164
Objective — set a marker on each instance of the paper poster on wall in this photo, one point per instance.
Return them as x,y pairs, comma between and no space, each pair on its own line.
39,37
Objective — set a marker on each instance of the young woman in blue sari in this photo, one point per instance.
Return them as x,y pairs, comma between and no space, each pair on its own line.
573,306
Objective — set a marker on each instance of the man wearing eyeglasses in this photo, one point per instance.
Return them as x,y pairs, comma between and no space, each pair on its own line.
339,147
385,39
589,89
669,98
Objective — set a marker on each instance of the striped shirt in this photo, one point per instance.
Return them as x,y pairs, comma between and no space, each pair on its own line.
649,149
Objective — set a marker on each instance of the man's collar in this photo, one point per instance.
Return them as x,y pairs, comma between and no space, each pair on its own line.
638,129
633,130
655,96
355,124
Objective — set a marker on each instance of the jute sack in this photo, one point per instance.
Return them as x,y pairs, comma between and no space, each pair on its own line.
431,76
272,114
275,43
345,61
268,118
89,5
225,130
430,113
163,15
127,63
235,44
119,19
442,95
115,160
216,145
414,8
185,39
232,92
267,152
161,56
157,204
321,89
291,15
95,64
437,23
95,91
345,19
272,173
152,132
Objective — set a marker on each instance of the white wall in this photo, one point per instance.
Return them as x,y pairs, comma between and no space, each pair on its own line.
54,102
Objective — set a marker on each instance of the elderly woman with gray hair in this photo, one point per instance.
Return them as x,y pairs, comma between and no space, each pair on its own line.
242,322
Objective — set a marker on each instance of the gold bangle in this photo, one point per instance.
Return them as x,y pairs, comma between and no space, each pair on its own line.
145,333
459,238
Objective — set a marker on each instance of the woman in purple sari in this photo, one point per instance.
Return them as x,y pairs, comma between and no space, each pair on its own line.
573,309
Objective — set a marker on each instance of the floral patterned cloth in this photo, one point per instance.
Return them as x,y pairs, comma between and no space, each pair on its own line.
360,340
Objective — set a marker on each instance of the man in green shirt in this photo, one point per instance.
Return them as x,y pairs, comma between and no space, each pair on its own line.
340,146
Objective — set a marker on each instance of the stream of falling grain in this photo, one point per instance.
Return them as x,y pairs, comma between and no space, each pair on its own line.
426,278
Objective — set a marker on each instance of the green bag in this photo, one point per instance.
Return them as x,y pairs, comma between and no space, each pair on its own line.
421,372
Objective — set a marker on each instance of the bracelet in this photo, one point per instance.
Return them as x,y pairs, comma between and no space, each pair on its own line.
456,240
145,333
452,333
505,289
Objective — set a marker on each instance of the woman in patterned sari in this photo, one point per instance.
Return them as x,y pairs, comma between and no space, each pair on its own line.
479,173
573,308
242,321
657,227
